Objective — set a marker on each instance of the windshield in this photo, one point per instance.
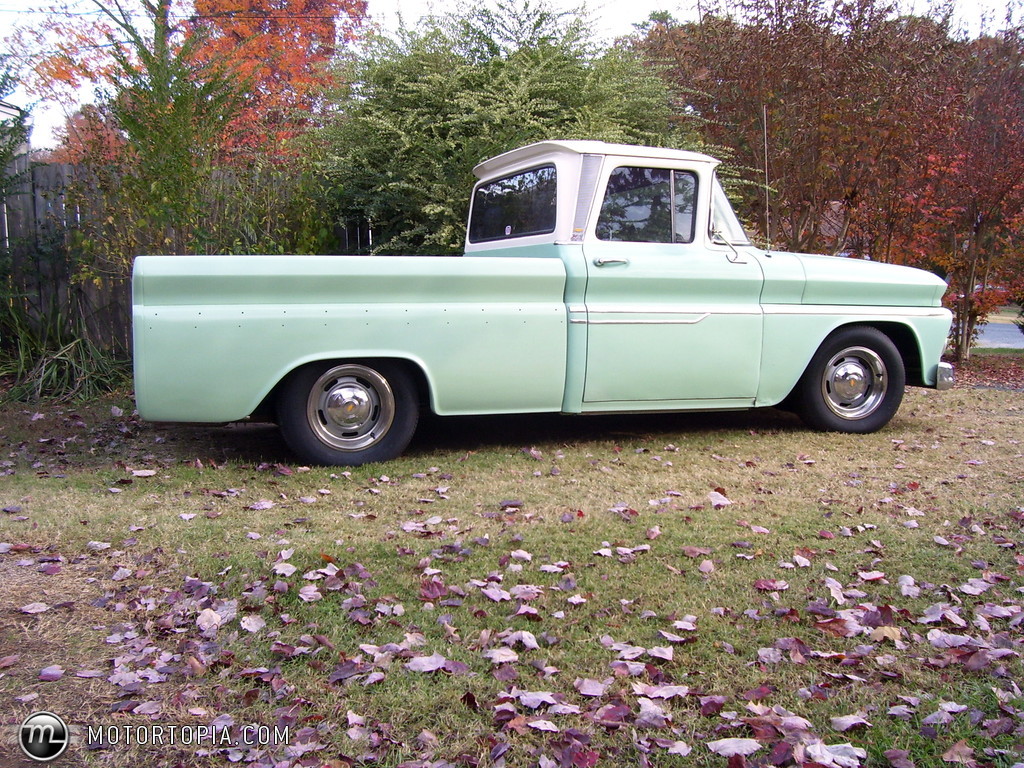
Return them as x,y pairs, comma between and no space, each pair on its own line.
723,220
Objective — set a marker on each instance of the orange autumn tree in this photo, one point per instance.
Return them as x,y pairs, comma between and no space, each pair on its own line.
277,50
281,48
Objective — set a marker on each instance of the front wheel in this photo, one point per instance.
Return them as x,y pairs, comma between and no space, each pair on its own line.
854,382
348,414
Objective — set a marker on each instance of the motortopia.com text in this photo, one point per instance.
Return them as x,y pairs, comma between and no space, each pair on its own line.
171,735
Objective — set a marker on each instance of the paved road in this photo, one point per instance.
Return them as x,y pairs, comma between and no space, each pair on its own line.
1001,335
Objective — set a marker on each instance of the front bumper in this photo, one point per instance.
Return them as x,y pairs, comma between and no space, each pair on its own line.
944,377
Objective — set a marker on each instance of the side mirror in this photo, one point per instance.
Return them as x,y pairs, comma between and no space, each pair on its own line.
717,238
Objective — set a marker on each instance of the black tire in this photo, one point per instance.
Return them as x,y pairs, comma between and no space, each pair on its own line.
348,414
854,383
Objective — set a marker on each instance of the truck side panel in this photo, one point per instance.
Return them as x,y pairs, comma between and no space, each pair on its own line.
215,334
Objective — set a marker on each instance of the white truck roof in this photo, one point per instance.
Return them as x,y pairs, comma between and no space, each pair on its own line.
523,156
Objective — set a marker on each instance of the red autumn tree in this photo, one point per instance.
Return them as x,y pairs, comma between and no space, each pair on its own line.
281,48
965,185
88,136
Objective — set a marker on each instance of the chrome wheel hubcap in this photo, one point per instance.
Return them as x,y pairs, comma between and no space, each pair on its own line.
350,407
854,383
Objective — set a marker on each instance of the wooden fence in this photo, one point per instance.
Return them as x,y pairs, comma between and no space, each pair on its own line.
35,230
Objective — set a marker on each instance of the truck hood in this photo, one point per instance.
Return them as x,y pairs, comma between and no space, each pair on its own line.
839,280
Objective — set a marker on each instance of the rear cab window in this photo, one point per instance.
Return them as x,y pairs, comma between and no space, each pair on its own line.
519,205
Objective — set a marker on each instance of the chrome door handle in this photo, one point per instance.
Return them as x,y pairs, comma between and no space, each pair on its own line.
607,262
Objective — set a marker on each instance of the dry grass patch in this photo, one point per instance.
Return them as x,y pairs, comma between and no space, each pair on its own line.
533,591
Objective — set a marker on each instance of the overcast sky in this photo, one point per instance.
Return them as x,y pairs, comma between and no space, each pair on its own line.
611,18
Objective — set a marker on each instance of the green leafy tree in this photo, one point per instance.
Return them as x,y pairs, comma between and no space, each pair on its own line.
170,109
13,131
426,107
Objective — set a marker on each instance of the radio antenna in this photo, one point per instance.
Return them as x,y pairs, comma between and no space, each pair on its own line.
767,186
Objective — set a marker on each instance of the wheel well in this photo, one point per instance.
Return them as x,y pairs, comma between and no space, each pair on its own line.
266,411
905,342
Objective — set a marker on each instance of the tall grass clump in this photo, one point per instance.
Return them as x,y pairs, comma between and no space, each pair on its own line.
49,355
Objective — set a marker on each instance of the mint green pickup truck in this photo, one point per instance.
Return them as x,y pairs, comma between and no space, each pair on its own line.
596,278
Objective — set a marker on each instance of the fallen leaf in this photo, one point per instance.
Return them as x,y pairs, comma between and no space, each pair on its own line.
730,747
430,663
893,634
899,758
591,687
51,673
253,623
960,753
843,724
543,725
718,500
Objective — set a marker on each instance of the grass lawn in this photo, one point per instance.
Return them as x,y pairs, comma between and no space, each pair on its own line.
693,590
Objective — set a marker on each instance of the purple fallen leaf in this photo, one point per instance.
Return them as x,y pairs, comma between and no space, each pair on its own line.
535,699
652,714
680,748
208,621
430,663
51,673
501,655
843,724
543,725
661,691
591,687
731,747
284,569
310,594
691,551
718,500
771,585
899,758
836,754
612,715
253,623
495,593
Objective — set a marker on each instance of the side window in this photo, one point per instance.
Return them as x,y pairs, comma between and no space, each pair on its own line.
648,205
515,206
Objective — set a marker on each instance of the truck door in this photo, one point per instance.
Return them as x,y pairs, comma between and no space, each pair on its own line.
671,316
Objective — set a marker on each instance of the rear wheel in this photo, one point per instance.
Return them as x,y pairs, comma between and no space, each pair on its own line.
348,413
854,382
